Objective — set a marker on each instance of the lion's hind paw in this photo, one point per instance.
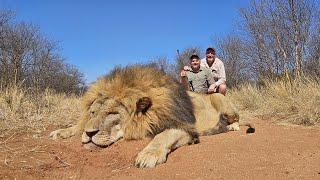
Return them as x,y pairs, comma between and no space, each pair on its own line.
233,127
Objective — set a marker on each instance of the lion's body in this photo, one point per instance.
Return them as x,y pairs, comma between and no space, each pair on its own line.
149,103
207,116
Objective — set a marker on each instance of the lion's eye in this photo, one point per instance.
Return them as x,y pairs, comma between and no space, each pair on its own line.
92,112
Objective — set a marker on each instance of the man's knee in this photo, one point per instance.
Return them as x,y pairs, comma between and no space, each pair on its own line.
223,89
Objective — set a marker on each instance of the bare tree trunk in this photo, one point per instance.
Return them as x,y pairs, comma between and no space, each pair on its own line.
297,38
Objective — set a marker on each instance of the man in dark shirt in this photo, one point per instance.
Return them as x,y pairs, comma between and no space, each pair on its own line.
197,78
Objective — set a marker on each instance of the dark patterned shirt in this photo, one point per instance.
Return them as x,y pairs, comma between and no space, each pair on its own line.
200,81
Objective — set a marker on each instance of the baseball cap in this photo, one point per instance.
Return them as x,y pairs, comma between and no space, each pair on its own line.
210,50
194,56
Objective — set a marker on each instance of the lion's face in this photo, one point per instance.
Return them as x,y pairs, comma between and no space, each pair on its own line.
105,124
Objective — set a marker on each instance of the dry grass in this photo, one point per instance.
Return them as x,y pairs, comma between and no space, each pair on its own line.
25,116
22,111
296,102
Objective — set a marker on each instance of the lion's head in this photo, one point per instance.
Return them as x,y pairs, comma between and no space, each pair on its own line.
104,126
107,117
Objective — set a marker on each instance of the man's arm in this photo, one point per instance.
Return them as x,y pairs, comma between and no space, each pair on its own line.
211,82
184,79
222,75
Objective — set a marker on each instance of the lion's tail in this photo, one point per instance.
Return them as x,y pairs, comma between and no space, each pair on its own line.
251,128
222,129
215,130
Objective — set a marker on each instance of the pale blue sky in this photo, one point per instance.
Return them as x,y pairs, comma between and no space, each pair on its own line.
97,35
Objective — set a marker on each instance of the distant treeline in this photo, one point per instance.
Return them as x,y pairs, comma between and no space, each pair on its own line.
30,60
278,39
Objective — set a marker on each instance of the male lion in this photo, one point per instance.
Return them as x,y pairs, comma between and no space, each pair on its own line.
140,101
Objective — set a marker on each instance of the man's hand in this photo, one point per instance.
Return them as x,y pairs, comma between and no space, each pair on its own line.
187,68
184,71
184,78
212,89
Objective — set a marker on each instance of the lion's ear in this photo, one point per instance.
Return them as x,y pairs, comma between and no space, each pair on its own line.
143,104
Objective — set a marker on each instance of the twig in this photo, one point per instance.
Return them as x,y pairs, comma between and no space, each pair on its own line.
2,135
121,168
11,149
8,138
60,160
35,149
6,162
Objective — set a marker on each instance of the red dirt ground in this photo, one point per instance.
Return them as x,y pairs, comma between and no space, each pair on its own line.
273,152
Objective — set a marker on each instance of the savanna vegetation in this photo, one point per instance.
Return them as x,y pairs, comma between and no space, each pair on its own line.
272,64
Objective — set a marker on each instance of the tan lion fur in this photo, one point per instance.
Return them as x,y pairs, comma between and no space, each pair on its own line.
174,116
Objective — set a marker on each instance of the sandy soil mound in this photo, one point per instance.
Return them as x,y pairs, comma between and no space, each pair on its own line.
273,152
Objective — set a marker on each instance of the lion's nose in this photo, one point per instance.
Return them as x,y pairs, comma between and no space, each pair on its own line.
92,133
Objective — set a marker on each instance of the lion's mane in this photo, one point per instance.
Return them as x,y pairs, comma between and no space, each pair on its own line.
171,106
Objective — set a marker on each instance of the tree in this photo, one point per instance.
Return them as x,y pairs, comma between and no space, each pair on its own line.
312,65
30,60
232,50
278,32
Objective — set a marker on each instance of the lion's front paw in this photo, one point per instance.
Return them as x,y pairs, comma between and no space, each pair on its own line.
150,158
60,134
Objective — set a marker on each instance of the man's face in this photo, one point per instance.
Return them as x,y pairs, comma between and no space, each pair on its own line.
210,56
195,63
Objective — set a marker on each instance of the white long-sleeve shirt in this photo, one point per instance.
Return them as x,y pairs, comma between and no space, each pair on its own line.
217,70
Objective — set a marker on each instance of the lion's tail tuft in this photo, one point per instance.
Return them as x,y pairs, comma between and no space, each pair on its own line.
251,128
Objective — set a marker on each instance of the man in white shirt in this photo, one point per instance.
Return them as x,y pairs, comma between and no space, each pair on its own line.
217,68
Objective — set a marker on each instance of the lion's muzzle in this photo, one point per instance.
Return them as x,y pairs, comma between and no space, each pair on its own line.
108,133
